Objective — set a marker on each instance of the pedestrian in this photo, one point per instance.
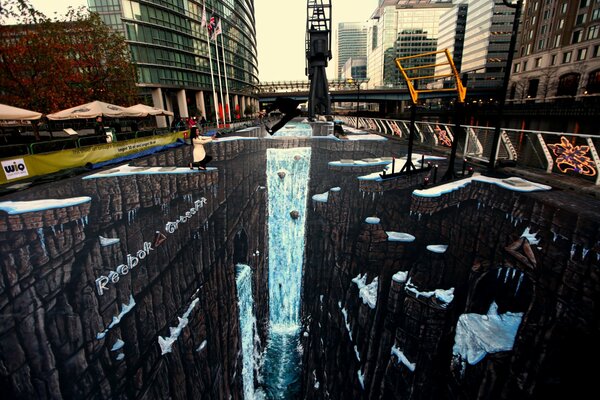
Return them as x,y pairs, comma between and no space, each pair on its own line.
200,158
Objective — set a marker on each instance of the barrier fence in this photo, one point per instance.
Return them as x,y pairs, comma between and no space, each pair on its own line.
554,152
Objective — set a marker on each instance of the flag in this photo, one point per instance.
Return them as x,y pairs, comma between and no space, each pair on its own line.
203,23
217,31
211,24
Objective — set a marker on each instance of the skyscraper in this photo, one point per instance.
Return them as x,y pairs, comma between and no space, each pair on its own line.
487,38
558,53
171,54
401,28
351,43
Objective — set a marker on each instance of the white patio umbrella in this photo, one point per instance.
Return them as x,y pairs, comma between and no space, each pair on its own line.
93,110
17,114
148,110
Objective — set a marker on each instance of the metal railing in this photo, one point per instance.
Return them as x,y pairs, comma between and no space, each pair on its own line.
554,152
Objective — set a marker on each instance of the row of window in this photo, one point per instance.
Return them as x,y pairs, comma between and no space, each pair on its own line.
566,57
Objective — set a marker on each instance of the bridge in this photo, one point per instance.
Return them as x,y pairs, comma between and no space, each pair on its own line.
345,90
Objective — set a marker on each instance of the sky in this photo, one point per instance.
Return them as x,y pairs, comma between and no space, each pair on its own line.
280,27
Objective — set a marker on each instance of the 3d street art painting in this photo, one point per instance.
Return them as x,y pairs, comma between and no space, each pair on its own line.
291,269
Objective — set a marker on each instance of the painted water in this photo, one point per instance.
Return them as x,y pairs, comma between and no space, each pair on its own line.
243,282
294,128
287,183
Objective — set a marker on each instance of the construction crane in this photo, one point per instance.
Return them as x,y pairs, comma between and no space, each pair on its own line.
318,53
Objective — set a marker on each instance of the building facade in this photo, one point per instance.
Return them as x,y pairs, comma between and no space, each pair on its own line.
558,52
487,38
400,28
451,37
354,68
175,59
351,43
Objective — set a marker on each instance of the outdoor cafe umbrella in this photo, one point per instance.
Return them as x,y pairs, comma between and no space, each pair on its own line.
145,110
93,110
17,114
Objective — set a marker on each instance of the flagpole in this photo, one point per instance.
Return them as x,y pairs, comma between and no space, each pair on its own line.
212,78
226,83
219,70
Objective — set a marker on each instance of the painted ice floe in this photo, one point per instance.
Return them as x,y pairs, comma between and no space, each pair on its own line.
397,166
232,138
437,248
166,343
514,184
359,163
321,197
316,385
400,276
108,241
530,236
20,207
118,345
128,170
372,220
120,356
443,296
335,189
356,353
478,334
361,379
202,346
402,358
399,237
346,322
125,308
368,293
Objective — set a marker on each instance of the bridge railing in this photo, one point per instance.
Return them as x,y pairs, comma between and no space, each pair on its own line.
554,152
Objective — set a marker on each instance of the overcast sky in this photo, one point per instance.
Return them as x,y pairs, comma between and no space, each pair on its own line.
280,27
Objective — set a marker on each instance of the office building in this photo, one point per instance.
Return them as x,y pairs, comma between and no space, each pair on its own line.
171,54
487,38
351,43
558,52
452,38
400,28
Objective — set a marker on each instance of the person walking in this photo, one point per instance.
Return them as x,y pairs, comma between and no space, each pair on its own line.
200,158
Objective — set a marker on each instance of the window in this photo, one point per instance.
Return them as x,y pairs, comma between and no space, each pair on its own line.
540,44
538,62
561,23
553,59
577,36
557,41
593,32
581,54
533,88
530,34
567,57
580,19
517,67
528,50
524,66
596,52
593,85
596,14
544,29
584,3
563,8
568,84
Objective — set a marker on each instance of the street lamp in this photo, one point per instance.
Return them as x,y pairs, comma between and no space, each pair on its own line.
509,60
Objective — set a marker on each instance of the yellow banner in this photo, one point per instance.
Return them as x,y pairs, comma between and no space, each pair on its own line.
27,166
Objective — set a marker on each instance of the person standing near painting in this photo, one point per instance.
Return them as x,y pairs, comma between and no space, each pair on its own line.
200,158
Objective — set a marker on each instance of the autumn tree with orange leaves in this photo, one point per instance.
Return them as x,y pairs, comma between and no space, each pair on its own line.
49,65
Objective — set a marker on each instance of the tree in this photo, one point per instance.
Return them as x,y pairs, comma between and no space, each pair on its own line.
51,65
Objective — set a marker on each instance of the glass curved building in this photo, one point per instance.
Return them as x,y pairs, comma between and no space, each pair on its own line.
170,50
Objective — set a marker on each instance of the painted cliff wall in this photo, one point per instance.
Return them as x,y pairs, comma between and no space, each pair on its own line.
392,277
153,315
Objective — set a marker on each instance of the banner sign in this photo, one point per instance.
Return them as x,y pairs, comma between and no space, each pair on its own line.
48,163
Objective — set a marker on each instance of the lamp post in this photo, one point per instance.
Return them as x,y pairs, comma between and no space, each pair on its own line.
509,60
